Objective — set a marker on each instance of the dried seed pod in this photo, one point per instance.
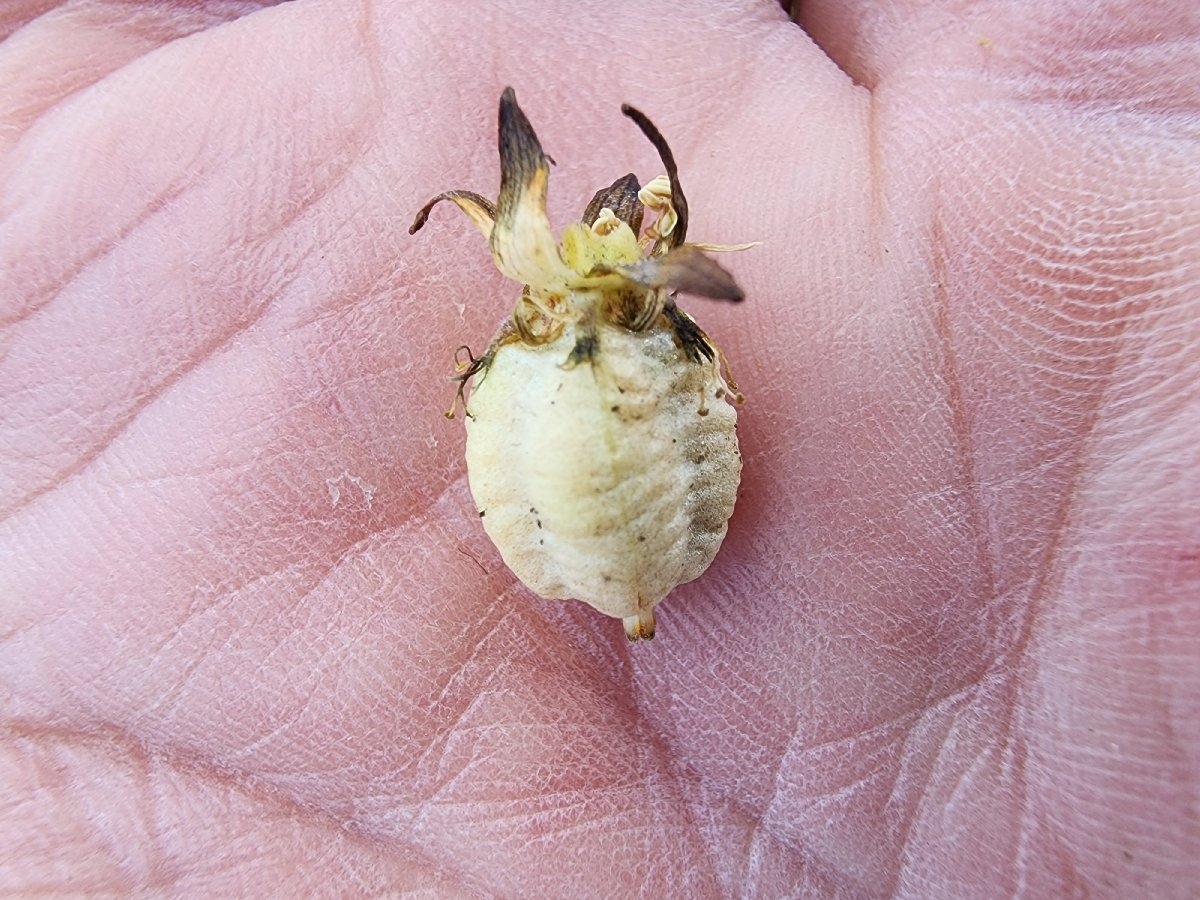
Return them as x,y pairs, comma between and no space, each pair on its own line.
601,443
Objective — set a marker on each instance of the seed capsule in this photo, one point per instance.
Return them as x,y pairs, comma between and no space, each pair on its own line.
601,446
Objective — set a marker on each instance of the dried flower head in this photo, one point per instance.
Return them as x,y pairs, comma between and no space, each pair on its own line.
600,468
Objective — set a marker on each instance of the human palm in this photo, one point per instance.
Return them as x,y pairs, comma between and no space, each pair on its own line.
255,640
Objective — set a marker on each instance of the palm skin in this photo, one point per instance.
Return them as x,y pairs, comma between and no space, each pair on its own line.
255,640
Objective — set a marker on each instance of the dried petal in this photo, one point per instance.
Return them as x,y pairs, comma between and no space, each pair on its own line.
592,251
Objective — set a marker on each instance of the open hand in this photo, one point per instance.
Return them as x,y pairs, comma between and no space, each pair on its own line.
254,638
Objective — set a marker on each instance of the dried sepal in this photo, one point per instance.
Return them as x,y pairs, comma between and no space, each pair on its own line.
601,254
678,200
465,370
691,337
521,240
683,269
532,324
622,200
481,210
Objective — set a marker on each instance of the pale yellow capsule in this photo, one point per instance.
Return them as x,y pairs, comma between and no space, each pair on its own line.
601,443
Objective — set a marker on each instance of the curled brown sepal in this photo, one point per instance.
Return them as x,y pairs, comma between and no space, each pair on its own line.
683,269
481,210
678,200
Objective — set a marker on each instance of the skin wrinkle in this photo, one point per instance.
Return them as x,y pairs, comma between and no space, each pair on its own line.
206,350
875,181
479,692
383,538
156,205
567,797
378,289
496,615
763,819
1047,582
166,704
961,424
373,54
548,825
661,741
10,633
923,794
660,745
296,713
1014,754
614,819
754,822
203,353
322,577
115,743
1162,703
101,250
209,353
915,714
903,772
1046,576
157,861
829,872
149,33
673,786
446,728
183,762
17,14
218,600
199,607
978,764
297,709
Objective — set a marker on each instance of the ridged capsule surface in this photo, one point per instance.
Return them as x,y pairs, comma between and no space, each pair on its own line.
604,481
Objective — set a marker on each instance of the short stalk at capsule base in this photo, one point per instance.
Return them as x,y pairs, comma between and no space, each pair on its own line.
641,626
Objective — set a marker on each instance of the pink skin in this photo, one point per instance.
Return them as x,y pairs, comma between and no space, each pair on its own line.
254,638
